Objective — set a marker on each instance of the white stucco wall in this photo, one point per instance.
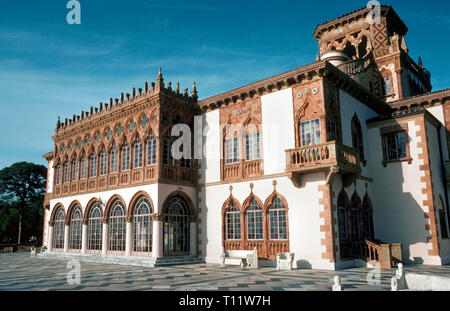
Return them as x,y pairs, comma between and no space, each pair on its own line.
278,130
210,163
304,219
50,176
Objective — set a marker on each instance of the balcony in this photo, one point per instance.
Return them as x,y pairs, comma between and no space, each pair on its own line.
331,157
243,170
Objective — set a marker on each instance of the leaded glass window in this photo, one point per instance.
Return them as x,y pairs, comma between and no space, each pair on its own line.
84,165
138,152
278,220
74,170
233,222
114,159
125,157
58,174
254,221
252,146
103,162
395,144
75,229
66,172
310,131
151,150
58,229
142,226
117,227
232,150
95,228
93,165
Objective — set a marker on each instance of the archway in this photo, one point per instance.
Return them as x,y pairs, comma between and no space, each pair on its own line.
176,231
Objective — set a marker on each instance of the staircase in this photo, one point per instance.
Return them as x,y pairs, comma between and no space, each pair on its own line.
386,255
140,261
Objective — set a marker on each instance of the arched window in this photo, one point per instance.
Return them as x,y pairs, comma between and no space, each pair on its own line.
58,174
125,156
342,205
75,169
93,165
355,217
233,222
114,159
95,228
151,149
278,220
66,172
84,165
142,226
117,227
176,227
350,50
368,218
103,162
254,221
75,229
138,151
58,229
357,137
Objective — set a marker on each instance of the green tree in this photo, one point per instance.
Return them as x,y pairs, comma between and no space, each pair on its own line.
22,186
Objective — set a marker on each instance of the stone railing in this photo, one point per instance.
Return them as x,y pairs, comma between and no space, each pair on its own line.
322,155
266,249
386,255
243,169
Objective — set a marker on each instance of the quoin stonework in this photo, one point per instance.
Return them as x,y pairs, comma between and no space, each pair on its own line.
343,162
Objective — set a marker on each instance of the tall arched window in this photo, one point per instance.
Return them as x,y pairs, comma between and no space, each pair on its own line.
151,149
58,174
176,227
442,219
103,162
75,228
125,156
142,226
233,221
75,169
95,228
278,220
114,159
357,137
93,165
138,152
84,165
117,227
66,171
254,221
58,229
368,218
355,217
342,215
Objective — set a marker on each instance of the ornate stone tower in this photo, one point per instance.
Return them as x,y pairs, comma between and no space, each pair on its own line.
376,51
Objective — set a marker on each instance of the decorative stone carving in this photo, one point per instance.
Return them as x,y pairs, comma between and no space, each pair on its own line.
285,261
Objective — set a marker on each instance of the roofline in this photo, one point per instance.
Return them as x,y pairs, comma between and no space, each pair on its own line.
405,113
297,76
425,100
357,14
48,156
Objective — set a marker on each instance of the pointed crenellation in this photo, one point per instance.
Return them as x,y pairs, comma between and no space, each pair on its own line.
128,96
121,98
194,93
159,86
133,93
169,87
146,87
177,90
186,92
101,106
91,112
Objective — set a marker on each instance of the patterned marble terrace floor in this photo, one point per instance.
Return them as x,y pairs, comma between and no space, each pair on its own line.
22,272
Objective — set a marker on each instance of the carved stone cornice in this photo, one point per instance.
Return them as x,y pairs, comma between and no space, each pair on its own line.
425,100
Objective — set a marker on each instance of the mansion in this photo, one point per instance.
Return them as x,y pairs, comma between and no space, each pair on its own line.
342,162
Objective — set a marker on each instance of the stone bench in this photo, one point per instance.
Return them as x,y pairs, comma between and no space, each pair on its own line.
285,261
242,258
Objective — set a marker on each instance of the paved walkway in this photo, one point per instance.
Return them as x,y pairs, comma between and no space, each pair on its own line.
20,271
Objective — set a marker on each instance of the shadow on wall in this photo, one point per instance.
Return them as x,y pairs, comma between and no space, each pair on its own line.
398,217
303,264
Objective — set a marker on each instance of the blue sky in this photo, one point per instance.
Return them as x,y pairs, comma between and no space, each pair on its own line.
50,68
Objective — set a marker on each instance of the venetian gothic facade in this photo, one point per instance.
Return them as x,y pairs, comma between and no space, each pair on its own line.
338,162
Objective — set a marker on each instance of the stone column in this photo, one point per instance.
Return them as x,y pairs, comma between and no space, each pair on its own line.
157,239
105,238
66,237
84,236
50,236
129,237
193,235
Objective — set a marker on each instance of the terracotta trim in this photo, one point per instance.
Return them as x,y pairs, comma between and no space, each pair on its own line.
70,209
329,221
186,198
88,209
110,203
428,190
135,198
55,208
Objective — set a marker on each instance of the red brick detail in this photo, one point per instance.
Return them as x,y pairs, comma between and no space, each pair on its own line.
329,222
428,190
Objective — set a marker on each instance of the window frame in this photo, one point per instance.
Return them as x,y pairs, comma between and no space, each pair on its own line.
390,130
252,146
311,131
